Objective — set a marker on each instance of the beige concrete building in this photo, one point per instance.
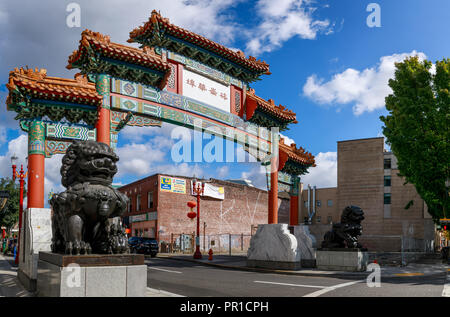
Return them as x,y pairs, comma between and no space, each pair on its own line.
396,217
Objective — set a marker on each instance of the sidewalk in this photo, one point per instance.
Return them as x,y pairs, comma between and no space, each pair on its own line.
239,262
9,283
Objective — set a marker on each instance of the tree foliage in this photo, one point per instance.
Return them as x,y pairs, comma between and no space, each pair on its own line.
10,215
417,129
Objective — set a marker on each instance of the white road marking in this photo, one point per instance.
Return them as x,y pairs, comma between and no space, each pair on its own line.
151,292
169,271
286,284
446,290
331,288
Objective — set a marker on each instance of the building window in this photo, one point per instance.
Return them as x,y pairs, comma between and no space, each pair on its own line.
318,218
387,198
387,181
387,164
330,203
330,219
129,205
318,203
150,200
138,202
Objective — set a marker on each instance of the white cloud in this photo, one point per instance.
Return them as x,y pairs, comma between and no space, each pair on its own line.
281,21
182,169
222,172
325,173
366,89
3,136
52,182
138,159
37,35
287,140
257,175
19,147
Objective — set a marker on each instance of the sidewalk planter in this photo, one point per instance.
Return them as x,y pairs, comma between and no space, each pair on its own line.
351,260
118,275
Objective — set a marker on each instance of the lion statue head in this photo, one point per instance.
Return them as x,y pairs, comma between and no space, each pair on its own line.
88,161
352,214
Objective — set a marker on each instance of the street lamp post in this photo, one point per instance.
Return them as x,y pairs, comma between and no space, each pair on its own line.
21,175
198,190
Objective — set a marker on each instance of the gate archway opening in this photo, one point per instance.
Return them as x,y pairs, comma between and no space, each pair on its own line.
177,77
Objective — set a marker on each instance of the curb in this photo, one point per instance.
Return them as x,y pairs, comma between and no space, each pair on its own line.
261,270
337,274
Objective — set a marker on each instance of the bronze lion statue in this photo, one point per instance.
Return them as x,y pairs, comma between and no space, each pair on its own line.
82,215
345,233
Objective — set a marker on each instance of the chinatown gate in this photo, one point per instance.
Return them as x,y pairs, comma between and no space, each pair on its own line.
176,76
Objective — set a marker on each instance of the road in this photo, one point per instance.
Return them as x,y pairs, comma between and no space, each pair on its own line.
194,280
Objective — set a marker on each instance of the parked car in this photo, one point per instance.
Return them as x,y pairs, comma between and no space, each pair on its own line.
143,245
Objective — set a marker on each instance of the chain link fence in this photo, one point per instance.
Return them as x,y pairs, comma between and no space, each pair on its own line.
402,250
184,243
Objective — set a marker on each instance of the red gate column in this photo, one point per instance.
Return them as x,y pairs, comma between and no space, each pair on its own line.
293,207
103,87
273,192
36,164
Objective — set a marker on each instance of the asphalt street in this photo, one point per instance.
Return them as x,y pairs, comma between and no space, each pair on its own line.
189,279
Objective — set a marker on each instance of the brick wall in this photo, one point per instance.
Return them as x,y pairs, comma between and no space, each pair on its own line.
242,208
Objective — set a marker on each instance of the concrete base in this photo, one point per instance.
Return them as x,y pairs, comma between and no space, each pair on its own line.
273,246
26,281
91,275
353,260
36,235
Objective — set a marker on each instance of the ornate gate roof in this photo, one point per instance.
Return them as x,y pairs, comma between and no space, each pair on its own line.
33,94
97,54
158,31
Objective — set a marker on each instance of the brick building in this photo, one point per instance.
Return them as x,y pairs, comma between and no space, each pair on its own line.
367,176
160,211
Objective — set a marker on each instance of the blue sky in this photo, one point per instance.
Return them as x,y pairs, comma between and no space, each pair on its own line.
327,65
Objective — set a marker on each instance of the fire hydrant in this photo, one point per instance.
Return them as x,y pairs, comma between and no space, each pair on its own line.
210,255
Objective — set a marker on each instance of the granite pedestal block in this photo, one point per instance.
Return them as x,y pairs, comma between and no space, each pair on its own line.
353,260
118,275
273,247
35,236
306,245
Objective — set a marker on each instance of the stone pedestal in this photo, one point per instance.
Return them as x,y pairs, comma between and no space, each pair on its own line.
353,260
306,245
274,247
36,235
119,275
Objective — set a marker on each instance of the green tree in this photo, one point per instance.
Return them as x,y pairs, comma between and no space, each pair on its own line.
417,129
10,214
